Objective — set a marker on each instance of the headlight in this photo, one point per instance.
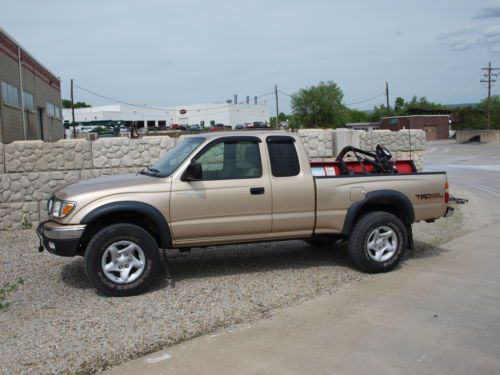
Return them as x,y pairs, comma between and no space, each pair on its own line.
61,208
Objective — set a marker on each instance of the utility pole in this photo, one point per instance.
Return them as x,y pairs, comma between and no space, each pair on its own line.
489,78
73,110
277,106
387,95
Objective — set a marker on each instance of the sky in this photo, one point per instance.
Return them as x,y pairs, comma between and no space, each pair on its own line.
188,52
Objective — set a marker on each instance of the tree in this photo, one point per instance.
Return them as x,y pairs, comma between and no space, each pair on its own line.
353,115
281,118
468,118
67,104
495,110
402,107
319,105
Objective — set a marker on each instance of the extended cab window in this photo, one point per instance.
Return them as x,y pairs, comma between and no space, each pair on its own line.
283,156
231,159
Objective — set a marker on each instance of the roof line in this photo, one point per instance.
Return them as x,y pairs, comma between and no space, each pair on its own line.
19,45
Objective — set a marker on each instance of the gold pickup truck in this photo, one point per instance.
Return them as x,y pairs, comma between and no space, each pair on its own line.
240,187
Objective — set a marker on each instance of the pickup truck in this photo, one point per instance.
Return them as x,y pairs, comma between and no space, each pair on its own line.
224,188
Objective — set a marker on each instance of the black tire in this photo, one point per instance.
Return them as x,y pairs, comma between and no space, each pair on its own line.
110,235
358,242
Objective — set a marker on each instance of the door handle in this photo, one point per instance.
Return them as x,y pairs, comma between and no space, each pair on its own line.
257,191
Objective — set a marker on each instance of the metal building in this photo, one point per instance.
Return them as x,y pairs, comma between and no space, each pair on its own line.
30,96
204,115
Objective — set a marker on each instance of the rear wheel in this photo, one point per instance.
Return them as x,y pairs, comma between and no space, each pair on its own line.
377,242
122,260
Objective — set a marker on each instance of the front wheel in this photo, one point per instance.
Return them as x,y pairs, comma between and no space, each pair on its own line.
377,242
122,260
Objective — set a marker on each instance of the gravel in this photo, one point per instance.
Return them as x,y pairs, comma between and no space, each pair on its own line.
57,324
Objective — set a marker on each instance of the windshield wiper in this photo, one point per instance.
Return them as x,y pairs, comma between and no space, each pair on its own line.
150,172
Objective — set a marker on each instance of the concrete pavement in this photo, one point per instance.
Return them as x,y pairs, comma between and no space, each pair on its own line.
437,314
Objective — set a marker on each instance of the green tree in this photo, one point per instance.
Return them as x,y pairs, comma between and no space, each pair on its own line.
353,115
468,118
319,106
495,111
67,104
281,117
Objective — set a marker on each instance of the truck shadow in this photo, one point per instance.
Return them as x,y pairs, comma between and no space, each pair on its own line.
231,260
251,258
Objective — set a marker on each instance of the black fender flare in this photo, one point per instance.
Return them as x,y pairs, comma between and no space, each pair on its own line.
134,207
377,197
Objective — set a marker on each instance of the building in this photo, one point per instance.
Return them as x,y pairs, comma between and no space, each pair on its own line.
366,126
435,126
205,115
30,96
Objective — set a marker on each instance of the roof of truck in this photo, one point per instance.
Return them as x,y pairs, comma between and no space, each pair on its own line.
255,133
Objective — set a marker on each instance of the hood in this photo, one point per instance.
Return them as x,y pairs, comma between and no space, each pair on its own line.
95,188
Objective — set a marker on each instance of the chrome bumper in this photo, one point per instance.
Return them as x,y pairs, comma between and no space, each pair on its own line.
54,231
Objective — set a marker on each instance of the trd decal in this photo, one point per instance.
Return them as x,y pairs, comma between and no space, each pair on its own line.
429,196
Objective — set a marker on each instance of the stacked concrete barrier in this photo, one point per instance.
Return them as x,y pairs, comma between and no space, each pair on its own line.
31,170
404,144
326,144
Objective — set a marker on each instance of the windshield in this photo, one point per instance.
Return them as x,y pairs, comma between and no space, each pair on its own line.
173,158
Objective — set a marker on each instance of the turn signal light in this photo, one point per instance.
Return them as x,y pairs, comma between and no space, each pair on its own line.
446,194
66,208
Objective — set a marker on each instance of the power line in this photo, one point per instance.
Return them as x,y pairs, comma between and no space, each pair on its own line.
367,100
284,93
164,108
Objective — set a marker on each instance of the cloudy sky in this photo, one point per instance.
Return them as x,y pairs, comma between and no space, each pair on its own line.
181,52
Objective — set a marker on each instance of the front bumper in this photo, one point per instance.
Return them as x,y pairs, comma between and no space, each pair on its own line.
60,239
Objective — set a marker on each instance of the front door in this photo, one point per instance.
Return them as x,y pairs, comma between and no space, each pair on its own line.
233,200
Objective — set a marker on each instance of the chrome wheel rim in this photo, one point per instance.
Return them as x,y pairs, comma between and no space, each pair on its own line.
123,262
382,243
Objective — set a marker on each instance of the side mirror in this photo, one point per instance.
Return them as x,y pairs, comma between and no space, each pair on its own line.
193,172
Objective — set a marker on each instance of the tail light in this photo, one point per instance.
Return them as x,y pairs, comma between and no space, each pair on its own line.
446,193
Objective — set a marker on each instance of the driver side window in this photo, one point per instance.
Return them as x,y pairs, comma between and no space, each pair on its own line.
231,160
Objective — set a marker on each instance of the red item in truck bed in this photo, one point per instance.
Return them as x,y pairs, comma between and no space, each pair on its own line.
331,168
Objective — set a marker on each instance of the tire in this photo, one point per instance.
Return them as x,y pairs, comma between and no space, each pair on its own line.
378,242
122,260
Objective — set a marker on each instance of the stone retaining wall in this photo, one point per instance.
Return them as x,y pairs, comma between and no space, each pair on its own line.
31,170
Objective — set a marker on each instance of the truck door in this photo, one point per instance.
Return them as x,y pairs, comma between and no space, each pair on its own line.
293,189
233,199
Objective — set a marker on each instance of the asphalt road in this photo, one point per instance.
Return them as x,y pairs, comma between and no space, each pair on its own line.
438,314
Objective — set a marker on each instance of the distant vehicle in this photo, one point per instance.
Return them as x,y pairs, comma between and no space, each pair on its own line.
239,127
218,128
175,126
195,128
259,124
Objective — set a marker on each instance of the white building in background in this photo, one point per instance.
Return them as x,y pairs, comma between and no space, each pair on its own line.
205,115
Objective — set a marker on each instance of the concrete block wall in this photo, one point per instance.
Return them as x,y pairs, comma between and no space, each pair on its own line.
325,144
318,142
31,170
